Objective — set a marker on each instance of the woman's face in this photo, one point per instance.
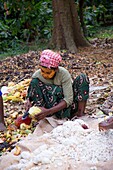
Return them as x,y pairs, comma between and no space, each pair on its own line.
47,73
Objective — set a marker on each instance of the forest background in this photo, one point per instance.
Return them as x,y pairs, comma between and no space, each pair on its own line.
28,25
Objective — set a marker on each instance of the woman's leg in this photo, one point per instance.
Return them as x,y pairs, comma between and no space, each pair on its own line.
81,94
47,96
81,108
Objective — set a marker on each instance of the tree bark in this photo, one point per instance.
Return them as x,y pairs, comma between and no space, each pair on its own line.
67,33
81,4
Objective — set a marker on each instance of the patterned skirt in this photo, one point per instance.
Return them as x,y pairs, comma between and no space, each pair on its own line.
47,96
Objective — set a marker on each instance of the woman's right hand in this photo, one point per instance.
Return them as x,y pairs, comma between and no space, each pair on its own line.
44,112
27,104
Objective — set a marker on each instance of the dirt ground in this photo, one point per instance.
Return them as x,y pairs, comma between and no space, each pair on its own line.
96,62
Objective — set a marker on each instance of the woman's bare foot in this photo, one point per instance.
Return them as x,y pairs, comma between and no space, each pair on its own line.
80,114
81,108
2,127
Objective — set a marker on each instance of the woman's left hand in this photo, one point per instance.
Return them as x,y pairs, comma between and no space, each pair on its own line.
44,112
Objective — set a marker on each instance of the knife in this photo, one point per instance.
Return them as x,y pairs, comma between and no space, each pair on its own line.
26,114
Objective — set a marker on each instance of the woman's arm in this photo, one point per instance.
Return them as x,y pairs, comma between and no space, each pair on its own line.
2,123
1,110
46,112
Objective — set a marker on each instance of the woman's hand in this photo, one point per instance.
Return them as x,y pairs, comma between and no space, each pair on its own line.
106,124
44,112
102,126
27,104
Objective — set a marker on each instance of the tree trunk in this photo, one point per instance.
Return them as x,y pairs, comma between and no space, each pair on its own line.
81,4
67,33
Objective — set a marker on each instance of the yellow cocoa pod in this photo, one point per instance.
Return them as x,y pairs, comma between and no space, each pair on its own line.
17,151
34,111
17,94
10,84
23,126
14,99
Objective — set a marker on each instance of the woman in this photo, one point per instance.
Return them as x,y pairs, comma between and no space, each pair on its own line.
2,123
52,89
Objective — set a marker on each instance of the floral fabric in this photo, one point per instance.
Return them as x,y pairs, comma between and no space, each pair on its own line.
49,95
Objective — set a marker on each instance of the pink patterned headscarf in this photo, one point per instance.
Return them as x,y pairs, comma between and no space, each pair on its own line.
50,59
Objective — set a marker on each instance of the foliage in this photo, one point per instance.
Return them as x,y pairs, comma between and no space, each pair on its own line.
96,13
26,25
104,32
92,17
24,21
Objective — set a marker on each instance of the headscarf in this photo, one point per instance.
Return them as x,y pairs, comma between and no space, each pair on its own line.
50,59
